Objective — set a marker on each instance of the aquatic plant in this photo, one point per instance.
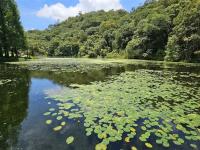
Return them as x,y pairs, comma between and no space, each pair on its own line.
70,140
48,122
58,128
151,101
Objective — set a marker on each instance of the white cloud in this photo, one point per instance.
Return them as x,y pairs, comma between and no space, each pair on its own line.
59,12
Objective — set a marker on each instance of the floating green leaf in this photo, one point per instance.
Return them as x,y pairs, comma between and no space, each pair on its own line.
127,139
63,123
52,109
47,113
59,117
58,128
70,140
148,145
48,122
101,146
133,148
193,146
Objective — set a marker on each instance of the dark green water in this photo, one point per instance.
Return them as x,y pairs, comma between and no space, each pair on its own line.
22,103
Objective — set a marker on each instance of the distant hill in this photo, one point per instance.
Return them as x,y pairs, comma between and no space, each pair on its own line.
159,30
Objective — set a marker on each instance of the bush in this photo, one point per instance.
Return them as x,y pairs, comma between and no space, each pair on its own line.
121,54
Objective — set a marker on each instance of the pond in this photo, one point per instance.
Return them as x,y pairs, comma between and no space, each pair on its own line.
87,105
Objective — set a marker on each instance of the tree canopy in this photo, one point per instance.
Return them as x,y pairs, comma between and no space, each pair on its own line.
12,37
159,30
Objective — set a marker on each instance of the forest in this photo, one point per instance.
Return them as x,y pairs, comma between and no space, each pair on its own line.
158,30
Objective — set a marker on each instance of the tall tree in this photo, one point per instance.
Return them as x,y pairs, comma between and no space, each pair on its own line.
3,28
12,37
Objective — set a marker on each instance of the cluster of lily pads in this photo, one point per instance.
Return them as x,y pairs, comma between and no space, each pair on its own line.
84,64
151,101
60,65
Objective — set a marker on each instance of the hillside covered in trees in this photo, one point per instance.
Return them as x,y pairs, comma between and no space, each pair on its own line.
12,38
159,30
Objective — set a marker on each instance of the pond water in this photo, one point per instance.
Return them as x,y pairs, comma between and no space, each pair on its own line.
121,107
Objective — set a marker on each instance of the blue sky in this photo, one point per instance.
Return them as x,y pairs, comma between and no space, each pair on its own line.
38,14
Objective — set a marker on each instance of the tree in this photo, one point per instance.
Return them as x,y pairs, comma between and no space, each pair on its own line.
67,49
173,51
185,36
134,48
160,29
124,35
3,37
53,46
12,35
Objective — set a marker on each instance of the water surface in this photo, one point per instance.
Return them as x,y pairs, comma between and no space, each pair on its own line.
23,102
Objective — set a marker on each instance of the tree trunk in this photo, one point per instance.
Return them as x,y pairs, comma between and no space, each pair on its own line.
27,54
12,53
1,52
6,53
16,53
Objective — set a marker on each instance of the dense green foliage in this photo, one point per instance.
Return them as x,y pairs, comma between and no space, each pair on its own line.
12,37
159,30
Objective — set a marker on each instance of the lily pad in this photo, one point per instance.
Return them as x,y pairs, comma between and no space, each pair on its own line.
70,140
100,146
148,145
63,123
127,139
133,148
193,146
52,109
59,117
48,122
58,128
47,113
